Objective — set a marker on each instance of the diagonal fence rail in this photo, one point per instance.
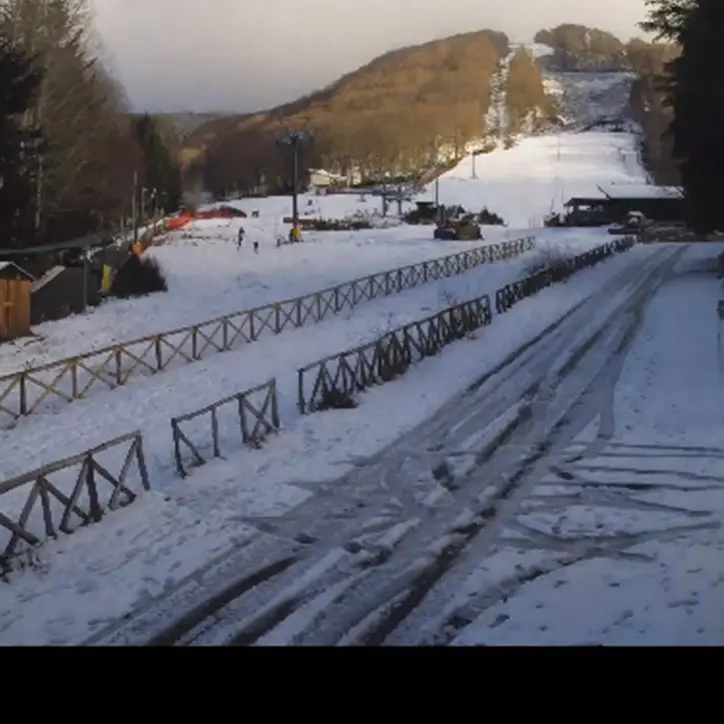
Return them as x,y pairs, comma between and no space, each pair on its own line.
333,381
52,506
33,390
509,295
78,490
251,415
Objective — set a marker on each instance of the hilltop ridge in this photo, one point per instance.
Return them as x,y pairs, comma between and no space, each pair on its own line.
413,108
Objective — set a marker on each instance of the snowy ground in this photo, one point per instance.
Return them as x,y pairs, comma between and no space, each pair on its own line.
527,182
597,521
102,572
208,277
648,503
79,583
148,403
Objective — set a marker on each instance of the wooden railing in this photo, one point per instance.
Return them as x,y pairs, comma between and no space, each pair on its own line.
508,296
255,413
338,378
83,502
29,391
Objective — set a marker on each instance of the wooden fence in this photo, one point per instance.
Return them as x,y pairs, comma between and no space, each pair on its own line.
86,502
255,413
14,309
28,391
337,378
508,296
335,381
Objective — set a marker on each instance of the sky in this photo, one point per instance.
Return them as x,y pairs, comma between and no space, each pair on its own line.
246,55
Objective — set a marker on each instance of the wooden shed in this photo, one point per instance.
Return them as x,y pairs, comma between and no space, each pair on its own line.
10,271
15,285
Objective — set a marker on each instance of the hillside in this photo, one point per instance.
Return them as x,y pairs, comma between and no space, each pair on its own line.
186,123
419,107
395,113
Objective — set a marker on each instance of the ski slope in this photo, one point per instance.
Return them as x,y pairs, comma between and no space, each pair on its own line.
525,183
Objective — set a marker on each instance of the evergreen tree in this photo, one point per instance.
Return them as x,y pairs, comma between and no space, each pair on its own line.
666,18
19,146
697,97
161,171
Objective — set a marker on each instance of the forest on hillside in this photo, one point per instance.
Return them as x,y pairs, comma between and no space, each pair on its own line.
392,115
395,113
579,48
75,161
72,157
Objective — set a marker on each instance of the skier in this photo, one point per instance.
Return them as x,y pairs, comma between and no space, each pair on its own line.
240,238
256,247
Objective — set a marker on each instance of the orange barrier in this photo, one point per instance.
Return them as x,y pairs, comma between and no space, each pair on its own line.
178,222
224,212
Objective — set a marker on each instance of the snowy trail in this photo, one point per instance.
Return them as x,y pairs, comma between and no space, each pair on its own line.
382,516
622,538
148,403
406,572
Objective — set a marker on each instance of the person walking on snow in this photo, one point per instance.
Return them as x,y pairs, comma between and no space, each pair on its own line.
240,238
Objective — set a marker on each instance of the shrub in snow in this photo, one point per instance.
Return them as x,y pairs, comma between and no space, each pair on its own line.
336,400
554,259
488,218
137,277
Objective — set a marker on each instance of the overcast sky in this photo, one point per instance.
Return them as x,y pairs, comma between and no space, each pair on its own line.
244,55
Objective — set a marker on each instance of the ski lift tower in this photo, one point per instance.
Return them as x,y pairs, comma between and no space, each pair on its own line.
295,140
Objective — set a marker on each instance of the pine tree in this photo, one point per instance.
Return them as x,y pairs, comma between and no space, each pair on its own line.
698,125
161,170
697,97
666,18
19,146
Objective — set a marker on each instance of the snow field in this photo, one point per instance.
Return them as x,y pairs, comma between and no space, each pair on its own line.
81,582
147,403
209,278
537,176
101,572
664,586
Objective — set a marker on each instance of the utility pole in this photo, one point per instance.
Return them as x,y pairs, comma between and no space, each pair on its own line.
474,154
296,141
134,203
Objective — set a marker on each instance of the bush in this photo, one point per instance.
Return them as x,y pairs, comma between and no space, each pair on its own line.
137,277
488,218
336,400
341,225
554,259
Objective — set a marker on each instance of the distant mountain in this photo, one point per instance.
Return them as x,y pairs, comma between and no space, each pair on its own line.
406,111
186,123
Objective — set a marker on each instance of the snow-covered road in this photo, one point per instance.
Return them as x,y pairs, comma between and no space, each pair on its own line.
418,545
